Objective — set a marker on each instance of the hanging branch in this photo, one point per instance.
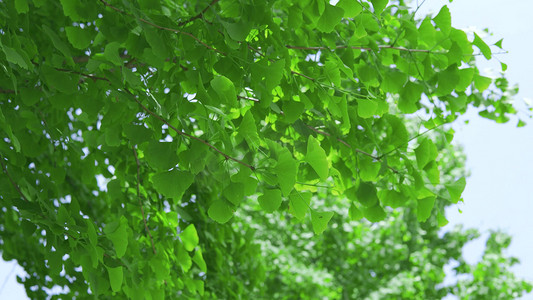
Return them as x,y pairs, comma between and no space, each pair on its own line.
139,198
226,156
350,146
199,15
162,27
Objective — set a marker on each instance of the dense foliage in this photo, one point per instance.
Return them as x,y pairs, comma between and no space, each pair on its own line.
238,149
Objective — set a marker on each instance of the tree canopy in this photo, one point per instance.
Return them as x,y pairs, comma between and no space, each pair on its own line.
240,149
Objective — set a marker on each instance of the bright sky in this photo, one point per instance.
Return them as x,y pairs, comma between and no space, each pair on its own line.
499,193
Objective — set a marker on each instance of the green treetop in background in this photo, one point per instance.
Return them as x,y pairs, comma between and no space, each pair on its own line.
239,149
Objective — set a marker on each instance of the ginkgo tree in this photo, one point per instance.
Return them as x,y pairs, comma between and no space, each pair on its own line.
149,148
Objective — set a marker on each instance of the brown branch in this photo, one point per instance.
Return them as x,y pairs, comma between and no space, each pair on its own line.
350,146
226,156
360,48
162,27
139,198
8,91
83,74
199,15
303,75
15,185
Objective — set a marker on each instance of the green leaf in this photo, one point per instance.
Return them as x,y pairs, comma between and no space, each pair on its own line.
409,97
366,108
441,219
237,31
248,130
270,200
351,8
447,80
198,258
161,155
374,213
225,90
483,47
234,192
368,168
184,259
393,198
355,213
465,79
320,220
189,237
426,152
444,19
331,16
118,234
292,111
424,207
286,170
220,211
14,57
61,81
78,37
481,82
456,189
172,184
137,134
499,44
299,204
115,278
316,157
22,6
379,5
367,194
59,44
111,53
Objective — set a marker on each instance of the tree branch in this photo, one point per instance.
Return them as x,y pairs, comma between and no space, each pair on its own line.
350,146
162,28
199,15
139,198
226,156
361,48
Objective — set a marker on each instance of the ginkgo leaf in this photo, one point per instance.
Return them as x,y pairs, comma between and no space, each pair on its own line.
320,220
172,184
189,237
220,211
286,170
115,278
331,16
270,200
424,207
483,47
455,189
425,153
316,157
299,204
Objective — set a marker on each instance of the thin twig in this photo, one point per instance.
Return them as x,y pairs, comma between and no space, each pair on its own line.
139,197
8,91
303,75
350,146
226,156
163,28
361,48
11,179
199,15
